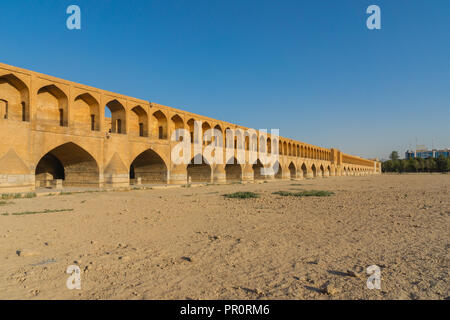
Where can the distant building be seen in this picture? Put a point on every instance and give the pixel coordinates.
(425, 154)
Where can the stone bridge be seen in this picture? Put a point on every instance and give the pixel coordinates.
(56, 132)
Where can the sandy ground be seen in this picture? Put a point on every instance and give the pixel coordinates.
(192, 243)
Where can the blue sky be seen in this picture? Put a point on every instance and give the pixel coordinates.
(310, 68)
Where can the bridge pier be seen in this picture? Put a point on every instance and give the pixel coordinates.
(178, 175)
(219, 174)
(309, 175)
(247, 173)
(286, 175)
(299, 175)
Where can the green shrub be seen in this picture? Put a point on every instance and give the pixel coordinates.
(7, 196)
(306, 193)
(44, 211)
(241, 195)
(30, 195)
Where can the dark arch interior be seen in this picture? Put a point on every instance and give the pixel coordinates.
(233, 171)
(292, 171)
(199, 172)
(70, 163)
(278, 171)
(305, 170)
(149, 167)
(257, 167)
(314, 170)
(49, 168)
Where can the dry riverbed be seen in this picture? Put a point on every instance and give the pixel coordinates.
(193, 243)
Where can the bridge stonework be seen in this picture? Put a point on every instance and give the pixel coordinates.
(54, 131)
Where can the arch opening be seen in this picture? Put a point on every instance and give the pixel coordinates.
(86, 113)
(14, 99)
(278, 171)
(52, 106)
(218, 141)
(138, 122)
(257, 167)
(70, 163)
(255, 142)
(304, 170)
(233, 171)
(115, 117)
(177, 123)
(314, 170)
(292, 171)
(159, 125)
(262, 144)
(148, 168)
(206, 134)
(199, 172)
(191, 127)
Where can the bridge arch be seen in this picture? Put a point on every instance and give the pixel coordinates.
(199, 172)
(159, 125)
(314, 170)
(191, 127)
(239, 139)
(85, 112)
(292, 170)
(229, 143)
(257, 167)
(218, 141)
(206, 133)
(277, 170)
(255, 142)
(70, 163)
(177, 123)
(149, 167)
(304, 170)
(246, 142)
(262, 144)
(52, 106)
(15, 98)
(118, 117)
(233, 171)
(138, 124)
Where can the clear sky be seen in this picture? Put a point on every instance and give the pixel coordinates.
(310, 68)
